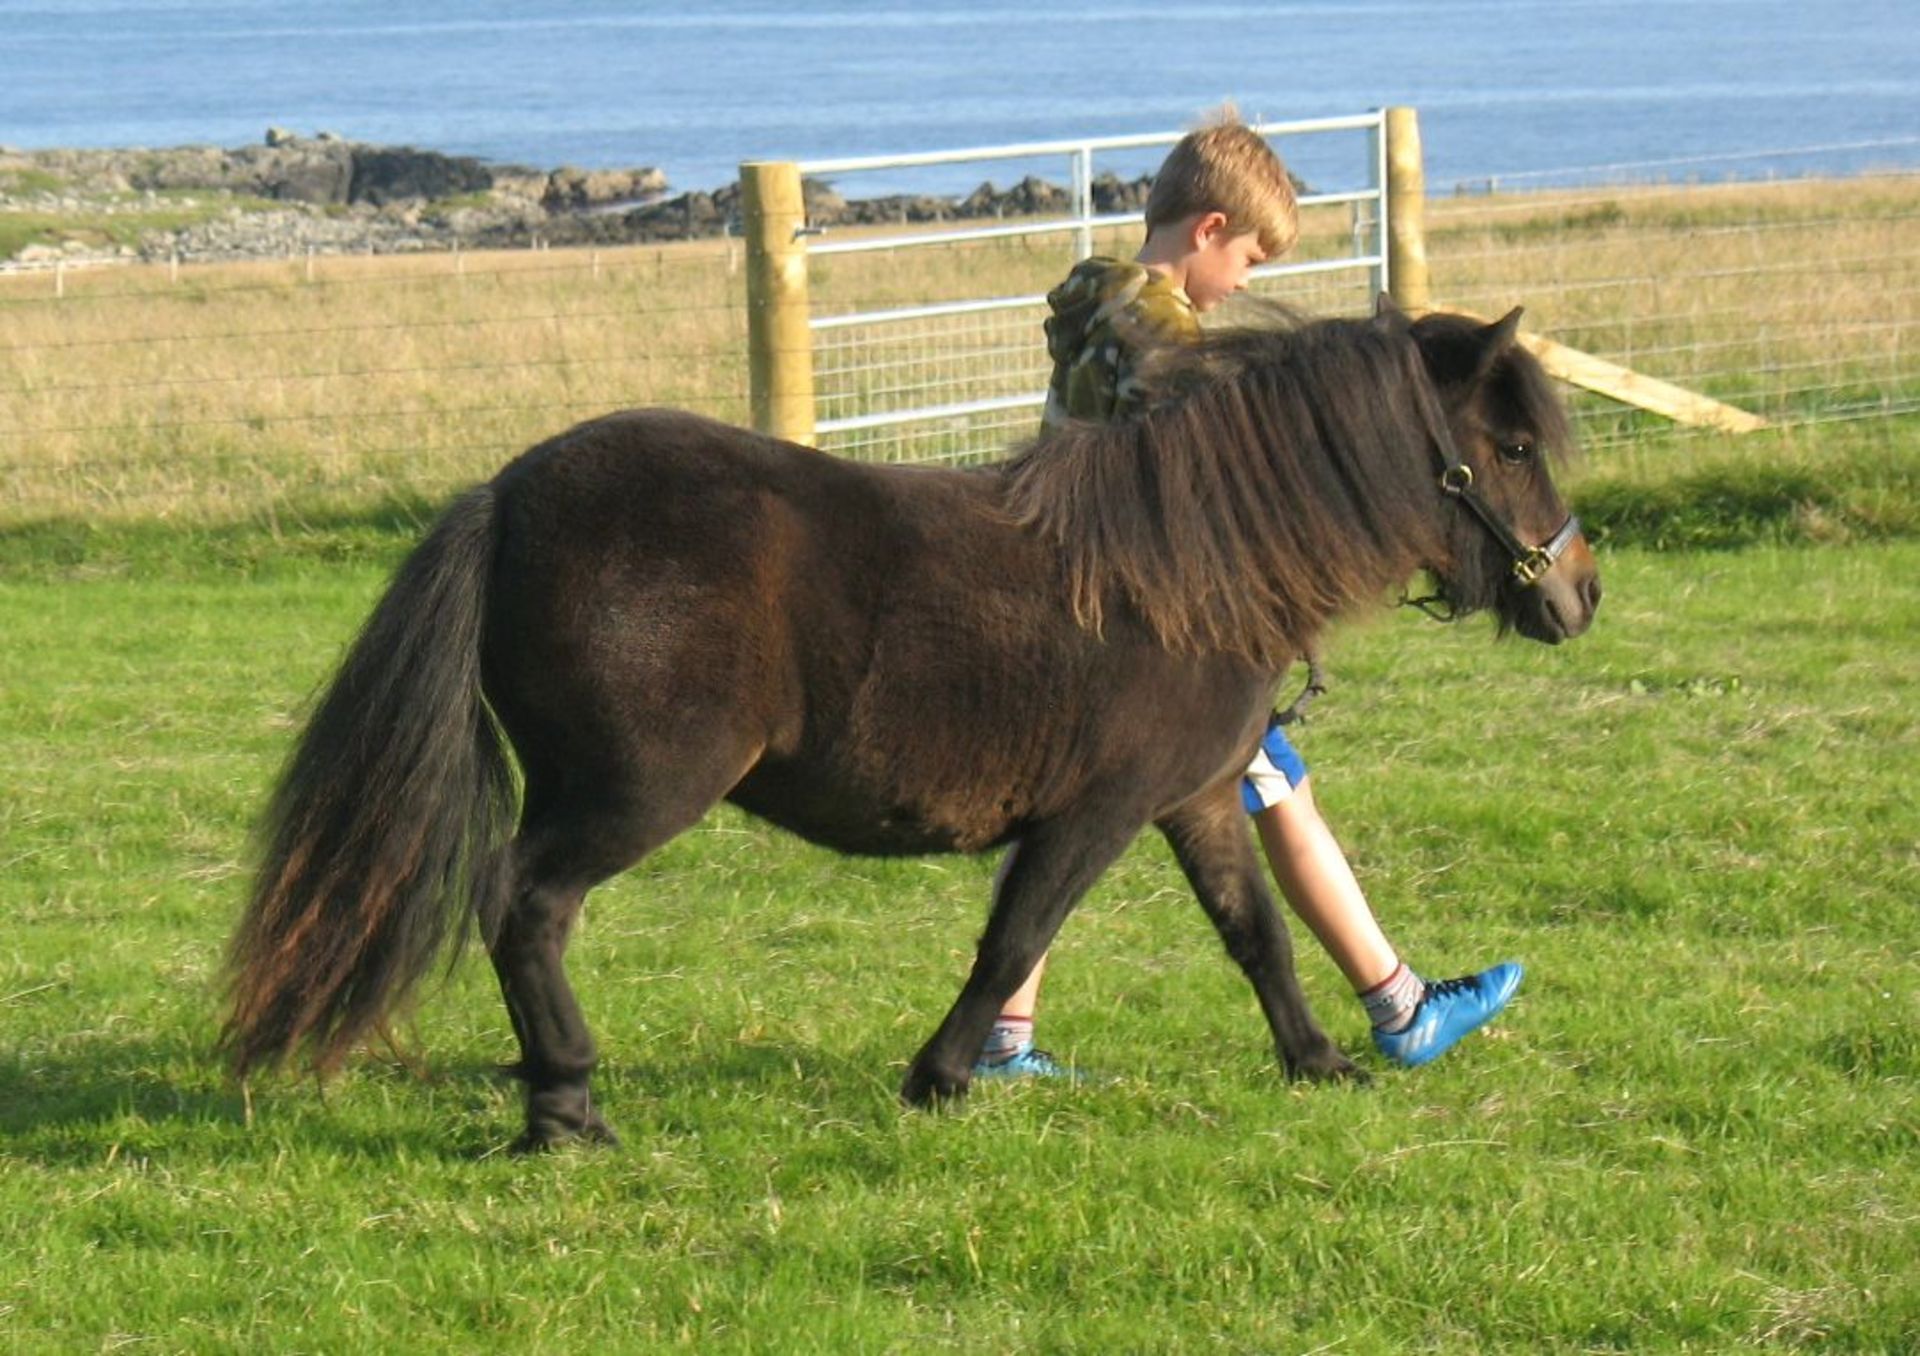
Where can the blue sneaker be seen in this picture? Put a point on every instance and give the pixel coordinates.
(1027, 1062)
(1451, 1009)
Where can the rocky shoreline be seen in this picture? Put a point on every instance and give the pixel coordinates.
(291, 195)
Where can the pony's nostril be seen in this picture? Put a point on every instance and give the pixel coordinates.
(1590, 593)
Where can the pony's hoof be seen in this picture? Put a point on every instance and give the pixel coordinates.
(544, 1137)
(1328, 1066)
(926, 1089)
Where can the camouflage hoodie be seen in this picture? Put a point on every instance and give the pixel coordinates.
(1104, 314)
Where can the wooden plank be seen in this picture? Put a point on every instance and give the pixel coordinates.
(1636, 388)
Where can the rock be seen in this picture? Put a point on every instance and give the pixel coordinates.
(1113, 195)
(181, 167)
(302, 171)
(575, 190)
(520, 185)
(1034, 195)
(982, 202)
(898, 209)
(823, 204)
(339, 196)
(384, 174)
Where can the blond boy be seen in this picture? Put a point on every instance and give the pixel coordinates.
(1221, 205)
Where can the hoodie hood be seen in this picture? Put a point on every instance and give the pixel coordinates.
(1104, 314)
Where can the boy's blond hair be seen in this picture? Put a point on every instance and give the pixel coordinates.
(1227, 167)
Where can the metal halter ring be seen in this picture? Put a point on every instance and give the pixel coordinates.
(1457, 478)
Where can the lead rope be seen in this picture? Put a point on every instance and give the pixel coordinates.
(1436, 606)
(1316, 686)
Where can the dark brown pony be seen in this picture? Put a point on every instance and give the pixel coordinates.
(658, 612)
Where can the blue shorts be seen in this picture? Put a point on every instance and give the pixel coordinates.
(1275, 770)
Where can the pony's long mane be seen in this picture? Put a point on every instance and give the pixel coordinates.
(1279, 478)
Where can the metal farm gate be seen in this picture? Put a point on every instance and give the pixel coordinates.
(846, 354)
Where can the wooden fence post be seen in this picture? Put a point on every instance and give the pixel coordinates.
(1406, 212)
(779, 343)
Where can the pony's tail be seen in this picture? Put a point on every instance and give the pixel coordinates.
(385, 832)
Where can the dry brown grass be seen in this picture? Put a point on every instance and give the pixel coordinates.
(241, 384)
(227, 389)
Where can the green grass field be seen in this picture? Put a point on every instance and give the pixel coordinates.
(1697, 1128)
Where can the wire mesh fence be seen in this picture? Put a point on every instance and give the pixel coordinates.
(953, 367)
(1792, 299)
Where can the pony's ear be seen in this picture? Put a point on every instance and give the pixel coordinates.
(1387, 314)
(1496, 339)
(1499, 335)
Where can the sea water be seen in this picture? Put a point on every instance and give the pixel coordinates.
(1507, 89)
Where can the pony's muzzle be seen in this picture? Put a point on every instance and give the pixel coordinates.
(1568, 594)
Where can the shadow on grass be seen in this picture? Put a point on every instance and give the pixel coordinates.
(157, 1097)
(107, 1084)
(1882, 1054)
(154, 1097)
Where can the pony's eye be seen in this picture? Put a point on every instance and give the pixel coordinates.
(1516, 452)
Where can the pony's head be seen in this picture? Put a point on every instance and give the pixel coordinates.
(1510, 545)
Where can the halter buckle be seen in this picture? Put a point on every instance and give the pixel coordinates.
(1457, 479)
(1530, 568)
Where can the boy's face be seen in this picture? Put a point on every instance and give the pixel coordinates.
(1220, 262)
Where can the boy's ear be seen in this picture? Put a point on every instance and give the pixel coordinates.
(1206, 226)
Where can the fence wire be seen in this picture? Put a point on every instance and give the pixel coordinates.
(222, 388)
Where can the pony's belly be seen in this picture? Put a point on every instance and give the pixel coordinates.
(840, 817)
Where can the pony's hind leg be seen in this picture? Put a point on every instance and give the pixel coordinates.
(565, 847)
(1209, 837)
(557, 1051)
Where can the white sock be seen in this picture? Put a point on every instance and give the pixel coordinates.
(1391, 1003)
(1010, 1035)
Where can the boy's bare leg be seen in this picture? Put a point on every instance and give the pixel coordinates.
(1027, 997)
(1009, 1048)
(1319, 885)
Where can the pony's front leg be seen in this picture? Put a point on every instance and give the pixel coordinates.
(1210, 839)
(1040, 880)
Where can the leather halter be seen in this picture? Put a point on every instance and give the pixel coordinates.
(1530, 563)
